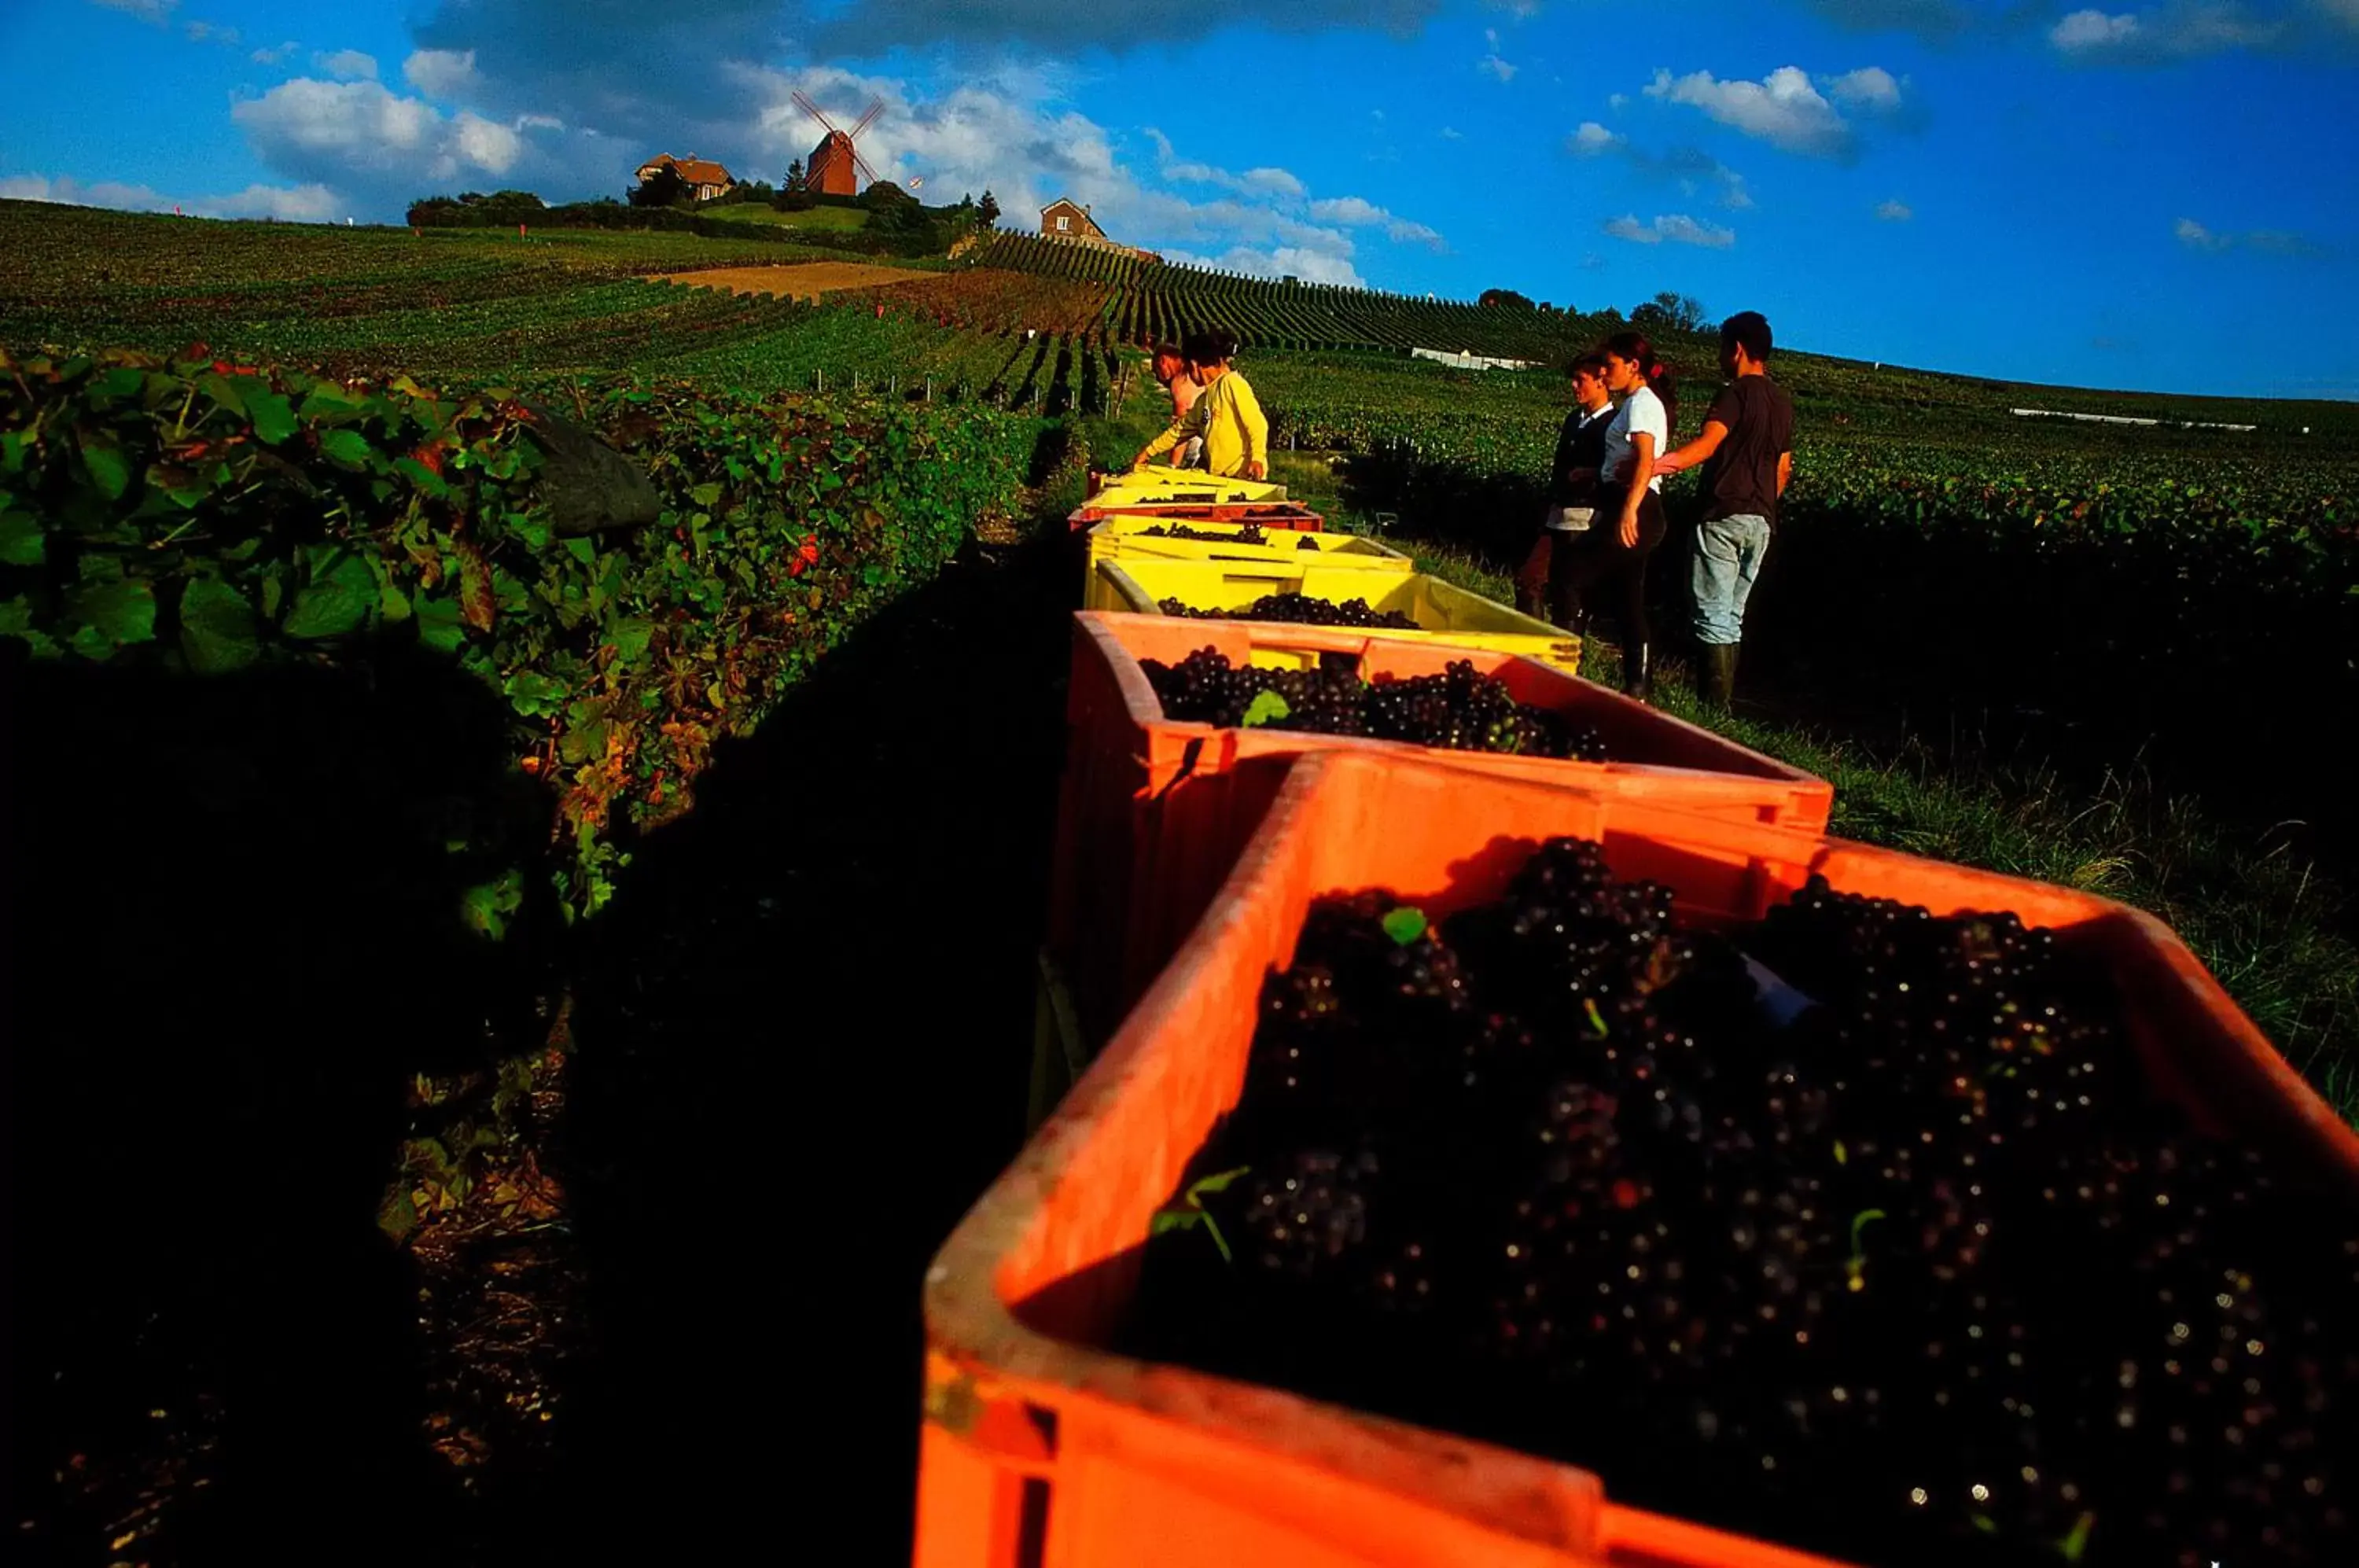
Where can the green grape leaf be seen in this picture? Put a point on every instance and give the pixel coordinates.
(1267, 707)
(22, 542)
(110, 469)
(273, 415)
(16, 621)
(417, 473)
(219, 632)
(336, 600)
(535, 695)
(1405, 925)
(439, 625)
(121, 610)
(349, 448)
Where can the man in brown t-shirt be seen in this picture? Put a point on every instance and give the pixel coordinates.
(1747, 452)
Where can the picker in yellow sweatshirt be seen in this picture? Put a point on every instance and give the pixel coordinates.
(1226, 415)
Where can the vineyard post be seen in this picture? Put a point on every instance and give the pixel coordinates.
(821, 377)
(929, 388)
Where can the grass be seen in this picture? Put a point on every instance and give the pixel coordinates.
(2265, 923)
(836, 218)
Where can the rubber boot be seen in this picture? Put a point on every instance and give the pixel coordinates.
(1719, 675)
(1638, 671)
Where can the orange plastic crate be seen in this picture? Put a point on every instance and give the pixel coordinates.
(1040, 1448)
(1153, 812)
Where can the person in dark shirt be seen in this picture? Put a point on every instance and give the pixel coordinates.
(1747, 452)
(1541, 586)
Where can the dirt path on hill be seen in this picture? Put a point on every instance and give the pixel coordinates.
(800, 280)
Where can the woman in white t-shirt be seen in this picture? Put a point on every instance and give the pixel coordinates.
(1629, 521)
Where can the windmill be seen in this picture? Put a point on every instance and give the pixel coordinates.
(835, 166)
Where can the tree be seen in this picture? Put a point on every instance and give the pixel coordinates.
(795, 195)
(664, 188)
(988, 211)
(1669, 312)
(1507, 297)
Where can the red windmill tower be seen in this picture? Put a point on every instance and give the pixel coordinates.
(835, 166)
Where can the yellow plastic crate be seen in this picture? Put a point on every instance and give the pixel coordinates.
(1126, 538)
(1157, 486)
(1444, 612)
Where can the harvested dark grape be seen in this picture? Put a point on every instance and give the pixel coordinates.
(1460, 709)
(1300, 609)
(1247, 533)
(1854, 1227)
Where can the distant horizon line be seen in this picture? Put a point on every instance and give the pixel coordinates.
(2337, 393)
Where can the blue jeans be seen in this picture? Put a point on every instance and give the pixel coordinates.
(1728, 552)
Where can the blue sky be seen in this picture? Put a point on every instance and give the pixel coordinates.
(2160, 195)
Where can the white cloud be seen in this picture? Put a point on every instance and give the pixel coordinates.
(344, 133)
(1263, 181)
(1311, 267)
(1274, 182)
(1618, 101)
(2271, 242)
(1590, 139)
(1676, 227)
(442, 74)
(2180, 30)
(347, 65)
(2195, 236)
(1680, 229)
(1000, 129)
(273, 55)
(1348, 209)
(1871, 87)
(1690, 169)
(2093, 30)
(1358, 212)
(298, 204)
(1452, 133)
(1492, 65)
(2345, 12)
(2279, 241)
(156, 11)
(1785, 108)
(210, 33)
(1895, 211)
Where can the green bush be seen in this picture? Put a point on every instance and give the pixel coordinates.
(204, 518)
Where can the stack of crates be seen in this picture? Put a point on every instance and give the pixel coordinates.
(1186, 857)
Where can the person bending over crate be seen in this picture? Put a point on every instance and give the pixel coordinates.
(1226, 417)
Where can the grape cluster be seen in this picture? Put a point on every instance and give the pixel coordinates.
(1300, 609)
(1247, 533)
(1853, 1227)
(1460, 709)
